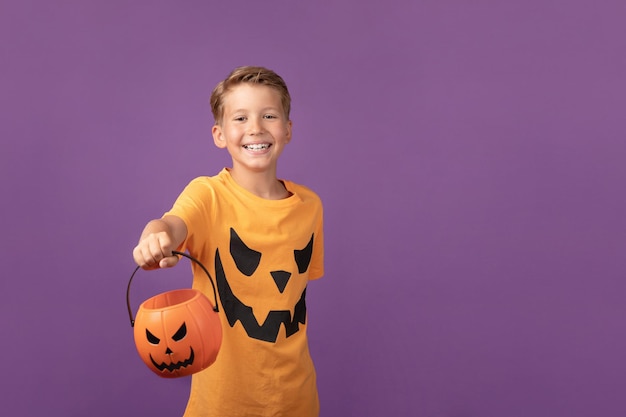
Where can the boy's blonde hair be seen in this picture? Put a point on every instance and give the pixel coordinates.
(253, 75)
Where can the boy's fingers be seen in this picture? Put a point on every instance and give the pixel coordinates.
(155, 252)
(139, 254)
(168, 262)
(148, 259)
(156, 249)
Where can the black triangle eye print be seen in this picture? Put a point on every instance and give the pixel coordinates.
(181, 333)
(246, 259)
(303, 257)
(152, 339)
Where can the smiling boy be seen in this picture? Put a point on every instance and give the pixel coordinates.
(262, 240)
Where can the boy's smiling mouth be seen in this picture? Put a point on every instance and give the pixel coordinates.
(257, 146)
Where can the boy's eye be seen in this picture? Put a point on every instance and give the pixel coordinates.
(240, 118)
(269, 116)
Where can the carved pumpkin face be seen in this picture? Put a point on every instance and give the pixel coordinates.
(177, 333)
(252, 292)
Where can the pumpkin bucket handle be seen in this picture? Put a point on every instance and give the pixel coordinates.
(174, 252)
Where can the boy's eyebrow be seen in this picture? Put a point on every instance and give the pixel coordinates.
(238, 110)
(263, 109)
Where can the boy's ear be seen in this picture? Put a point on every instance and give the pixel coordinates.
(218, 136)
(289, 131)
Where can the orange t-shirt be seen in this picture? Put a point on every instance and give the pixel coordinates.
(261, 253)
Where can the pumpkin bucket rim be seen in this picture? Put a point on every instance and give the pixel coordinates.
(188, 295)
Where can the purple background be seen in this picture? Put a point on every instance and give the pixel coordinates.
(471, 157)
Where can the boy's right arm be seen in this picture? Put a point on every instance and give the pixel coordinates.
(158, 239)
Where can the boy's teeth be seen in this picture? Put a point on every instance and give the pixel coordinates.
(256, 146)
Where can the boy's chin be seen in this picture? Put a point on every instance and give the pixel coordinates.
(254, 168)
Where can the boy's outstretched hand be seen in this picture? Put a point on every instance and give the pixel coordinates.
(159, 238)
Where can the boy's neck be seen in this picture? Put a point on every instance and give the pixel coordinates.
(262, 184)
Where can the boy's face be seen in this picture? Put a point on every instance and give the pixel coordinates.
(254, 128)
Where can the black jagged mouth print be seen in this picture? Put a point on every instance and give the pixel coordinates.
(236, 310)
(171, 367)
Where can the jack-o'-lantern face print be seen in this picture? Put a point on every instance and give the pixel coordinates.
(161, 354)
(253, 290)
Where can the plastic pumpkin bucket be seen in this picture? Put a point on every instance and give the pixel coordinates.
(177, 333)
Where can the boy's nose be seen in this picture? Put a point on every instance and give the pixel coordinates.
(255, 127)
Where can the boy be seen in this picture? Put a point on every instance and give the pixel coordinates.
(262, 240)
